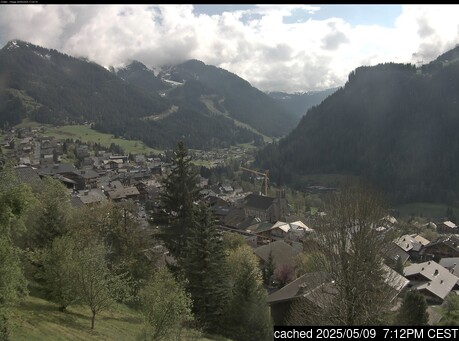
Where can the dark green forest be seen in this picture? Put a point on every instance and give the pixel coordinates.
(50, 87)
(394, 125)
(242, 101)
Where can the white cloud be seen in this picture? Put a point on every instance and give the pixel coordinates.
(256, 44)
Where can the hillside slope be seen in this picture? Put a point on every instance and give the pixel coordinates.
(391, 124)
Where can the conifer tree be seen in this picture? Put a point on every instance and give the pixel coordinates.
(248, 316)
(413, 311)
(177, 199)
(205, 267)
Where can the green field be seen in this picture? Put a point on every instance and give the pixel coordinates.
(37, 319)
(86, 134)
(425, 210)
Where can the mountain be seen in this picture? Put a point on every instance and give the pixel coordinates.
(300, 103)
(51, 87)
(60, 89)
(139, 75)
(224, 93)
(391, 124)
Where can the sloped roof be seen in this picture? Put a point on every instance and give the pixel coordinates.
(449, 224)
(438, 280)
(120, 193)
(258, 201)
(57, 169)
(294, 226)
(451, 264)
(283, 253)
(297, 288)
(28, 175)
(450, 241)
(420, 239)
(92, 196)
(260, 227)
(408, 243)
(393, 251)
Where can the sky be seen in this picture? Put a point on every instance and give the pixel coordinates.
(291, 48)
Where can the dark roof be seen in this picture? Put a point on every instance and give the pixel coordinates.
(450, 241)
(88, 174)
(297, 288)
(28, 175)
(258, 201)
(394, 252)
(283, 253)
(76, 202)
(234, 217)
(57, 169)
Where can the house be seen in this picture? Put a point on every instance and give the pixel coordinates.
(393, 254)
(293, 231)
(305, 287)
(446, 227)
(443, 247)
(88, 197)
(267, 208)
(451, 264)
(412, 244)
(29, 176)
(283, 254)
(431, 279)
(262, 229)
(315, 290)
(120, 192)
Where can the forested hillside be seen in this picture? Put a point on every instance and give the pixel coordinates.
(47, 86)
(392, 124)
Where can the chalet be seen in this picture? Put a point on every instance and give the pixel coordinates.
(412, 244)
(29, 176)
(303, 288)
(443, 247)
(393, 254)
(262, 229)
(293, 231)
(283, 254)
(123, 158)
(267, 208)
(117, 192)
(431, 279)
(112, 164)
(315, 290)
(88, 197)
(446, 227)
(451, 264)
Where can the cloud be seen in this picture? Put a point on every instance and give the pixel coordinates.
(333, 40)
(274, 47)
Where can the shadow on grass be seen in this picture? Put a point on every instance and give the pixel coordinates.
(128, 319)
(38, 313)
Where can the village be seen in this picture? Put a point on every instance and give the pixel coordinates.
(277, 232)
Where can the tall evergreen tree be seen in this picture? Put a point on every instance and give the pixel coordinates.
(177, 199)
(248, 316)
(205, 267)
(50, 218)
(268, 270)
(413, 311)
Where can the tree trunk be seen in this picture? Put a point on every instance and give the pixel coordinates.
(93, 319)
